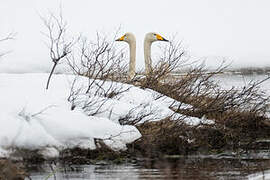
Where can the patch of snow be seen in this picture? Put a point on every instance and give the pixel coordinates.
(49, 152)
(34, 118)
(260, 176)
(4, 153)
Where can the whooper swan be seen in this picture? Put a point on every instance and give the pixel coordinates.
(131, 40)
(148, 40)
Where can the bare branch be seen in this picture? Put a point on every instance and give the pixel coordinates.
(59, 47)
(103, 65)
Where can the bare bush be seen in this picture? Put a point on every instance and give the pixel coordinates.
(163, 137)
(198, 88)
(58, 44)
(97, 100)
(98, 59)
(240, 115)
(140, 114)
(172, 59)
(100, 62)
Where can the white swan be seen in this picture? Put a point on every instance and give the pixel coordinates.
(148, 40)
(131, 40)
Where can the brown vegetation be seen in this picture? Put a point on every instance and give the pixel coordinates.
(11, 171)
(240, 115)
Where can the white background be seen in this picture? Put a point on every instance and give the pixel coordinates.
(238, 30)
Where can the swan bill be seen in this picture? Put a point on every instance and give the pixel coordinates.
(160, 38)
(121, 38)
(165, 40)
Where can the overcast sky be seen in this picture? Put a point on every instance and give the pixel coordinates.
(235, 29)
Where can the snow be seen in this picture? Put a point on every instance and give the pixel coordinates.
(34, 118)
(260, 176)
(38, 119)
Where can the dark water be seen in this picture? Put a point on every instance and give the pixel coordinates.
(222, 167)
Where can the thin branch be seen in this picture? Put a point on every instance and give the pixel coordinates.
(58, 46)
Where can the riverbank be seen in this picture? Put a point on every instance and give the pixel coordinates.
(220, 166)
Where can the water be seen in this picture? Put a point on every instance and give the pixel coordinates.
(227, 81)
(171, 168)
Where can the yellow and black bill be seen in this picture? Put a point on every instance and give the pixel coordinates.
(121, 38)
(160, 38)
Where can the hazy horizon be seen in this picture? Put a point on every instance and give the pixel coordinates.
(237, 31)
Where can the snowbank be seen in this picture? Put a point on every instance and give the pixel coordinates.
(259, 176)
(34, 118)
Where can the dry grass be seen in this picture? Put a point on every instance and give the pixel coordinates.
(162, 137)
(240, 115)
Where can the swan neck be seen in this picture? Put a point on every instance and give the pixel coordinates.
(132, 62)
(147, 55)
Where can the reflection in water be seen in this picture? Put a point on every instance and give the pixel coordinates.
(178, 168)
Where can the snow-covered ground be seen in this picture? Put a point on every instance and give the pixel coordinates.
(34, 118)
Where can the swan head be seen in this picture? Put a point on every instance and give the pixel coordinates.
(152, 37)
(128, 37)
